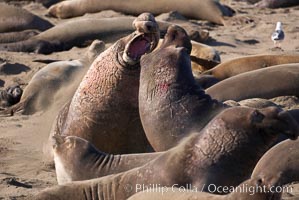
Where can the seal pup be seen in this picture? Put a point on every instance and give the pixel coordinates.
(51, 79)
(171, 103)
(208, 10)
(237, 135)
(250, 63)
(281, 160)
(104, 109)
(77, 159)
(278, 35)
(248, 190)
(279, 80)
(20, 19)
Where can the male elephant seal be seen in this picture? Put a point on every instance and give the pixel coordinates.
(279, 80)
(104, 109)
(17, 19)
(237, 135)
(254, 188)
(281, 160)
(171, 103)
(249, 63)
(205, 9)
(54, 77)
(77, 159)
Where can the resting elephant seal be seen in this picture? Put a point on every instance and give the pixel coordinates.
(104, 109)
(281, 160)
(248, 190)
(276, 3)
(17, 36)
(205, 9)
(51, 79)
(20, 19)
(77, 159)
(10, 96)
(224, 154)
(280, 80)
(249, 63)
(67, 35)
(171, 103)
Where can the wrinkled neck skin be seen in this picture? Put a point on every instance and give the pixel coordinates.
(169, 94)
(220, 152)
(101, 91)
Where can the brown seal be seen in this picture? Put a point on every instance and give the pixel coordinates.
(104, 109)
(248, 190)
(20, 19)
(205, 9)
(77, 159)
(281, 160)
(237, 135)
(249, 63)
(54, 77)
(280, 80)
(171, 103)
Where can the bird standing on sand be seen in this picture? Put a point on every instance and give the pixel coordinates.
(278, 35)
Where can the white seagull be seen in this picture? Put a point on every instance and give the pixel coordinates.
(278, 35)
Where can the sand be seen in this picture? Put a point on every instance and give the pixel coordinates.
(22, 171)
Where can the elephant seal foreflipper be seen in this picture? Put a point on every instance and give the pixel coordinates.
(53, 77)
(20, 19)
(237, 193)
(77, 159)
(276, 3)
(237, 135)
(249, 63)
(205, 9)
(104, 109)
(279, 80)
(171, 103)
(281, 160)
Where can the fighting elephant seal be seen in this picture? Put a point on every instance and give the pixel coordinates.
(279, 80)
(17, 19)
(104, 109)
(249, 63)
(253, 191)
(67, 35)
(281, 160)
(77, 159)
(205, 9)
(171, 103)
(51, 79)
(237, 135)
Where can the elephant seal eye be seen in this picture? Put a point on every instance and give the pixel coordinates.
(257, 117)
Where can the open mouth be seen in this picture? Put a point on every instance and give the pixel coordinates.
(138, 46)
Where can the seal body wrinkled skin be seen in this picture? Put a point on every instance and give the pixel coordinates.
(237, 194)
(280, 80)
(171, 103)
(224, 154)
(104, 109)
(20, 19)
(52, 78)
(77, 159)
(250, 63)
(281, 160)
(204, 9)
